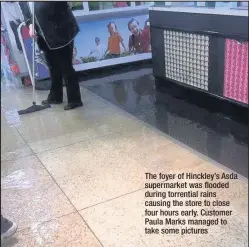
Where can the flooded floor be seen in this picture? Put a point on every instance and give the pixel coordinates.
(216, 129)
(77, 178)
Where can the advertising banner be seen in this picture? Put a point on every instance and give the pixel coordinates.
(99, 40)
(12, 15)
(41, 67)
(112, 38)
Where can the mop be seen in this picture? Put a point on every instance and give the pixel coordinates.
(34, 107)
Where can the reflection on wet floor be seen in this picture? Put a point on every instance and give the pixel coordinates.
(212, 127)
(60, 170)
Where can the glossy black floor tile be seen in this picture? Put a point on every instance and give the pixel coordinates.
(212, 127)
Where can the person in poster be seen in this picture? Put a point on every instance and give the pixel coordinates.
(13, 14)
(114, 41)
(99, 51)
(139, 41)
(76, 60)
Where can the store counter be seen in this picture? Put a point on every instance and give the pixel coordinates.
(204, 49)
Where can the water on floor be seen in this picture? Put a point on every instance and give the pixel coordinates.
(212, 127)
(72, 178)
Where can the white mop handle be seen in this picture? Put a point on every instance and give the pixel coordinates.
(23, 48)
(33, 51)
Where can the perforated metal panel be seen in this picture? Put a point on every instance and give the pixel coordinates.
(187, 58)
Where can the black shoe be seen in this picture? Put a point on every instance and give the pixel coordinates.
(8, 228)
(51, 102)
(71, 106)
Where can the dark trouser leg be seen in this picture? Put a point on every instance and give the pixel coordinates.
(56, 90)
(14, 27)
(69, 74)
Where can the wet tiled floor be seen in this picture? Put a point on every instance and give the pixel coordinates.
(193, 119)
(77, 178)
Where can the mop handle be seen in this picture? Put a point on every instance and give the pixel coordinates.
(33, 55)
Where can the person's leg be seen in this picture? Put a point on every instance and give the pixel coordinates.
(14, 27)
(70, 77)
(8, 228)
(56, 91)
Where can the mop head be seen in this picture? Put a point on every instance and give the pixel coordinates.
(33, 108)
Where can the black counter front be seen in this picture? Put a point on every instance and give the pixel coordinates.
(205, 49)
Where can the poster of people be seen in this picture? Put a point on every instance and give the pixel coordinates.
(97, 41)
(108, 39)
